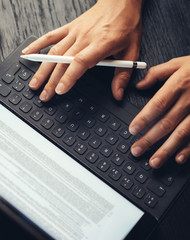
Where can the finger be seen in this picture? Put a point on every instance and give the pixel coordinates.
(60, 69)
(45, 68)
(184, 154)
(84, 60)
(160, 73)
(177, 139)
(49, 38)
(122, 76)
(49, 89)
(120, 82)
(158, 105)
(163, 127)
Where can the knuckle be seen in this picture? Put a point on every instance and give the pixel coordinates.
(166, 125)
(144, 121)
(152, 71)
(62, 67)
(82, 60)
(49, 36)
(160, 104)
(51, 85)
(67, 78)
(54, 51)
(124, 76)
(185, 80)
(173, 60)
(145, 142)
(165, 153)
(183, 133)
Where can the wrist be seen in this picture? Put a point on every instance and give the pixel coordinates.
(135, 4)
(130, 9)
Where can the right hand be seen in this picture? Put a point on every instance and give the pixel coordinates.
(109, 28)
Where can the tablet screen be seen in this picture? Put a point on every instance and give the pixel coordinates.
(54, 191)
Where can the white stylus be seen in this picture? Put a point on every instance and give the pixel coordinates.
(69, 59)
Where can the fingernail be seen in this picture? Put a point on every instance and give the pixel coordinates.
(181, 158)
(33, 82)
(136, 151)
(60, 89)
(155, 162)
(134, 129)
(25, 50)
(43, 95)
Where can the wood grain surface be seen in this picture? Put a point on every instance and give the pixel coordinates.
(166, 34)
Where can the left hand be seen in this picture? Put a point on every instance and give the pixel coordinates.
(172, 105)
(109, 28)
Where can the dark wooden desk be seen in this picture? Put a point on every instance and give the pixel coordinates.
(166, 34)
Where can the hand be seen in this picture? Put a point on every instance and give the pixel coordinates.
(171, 104)
(108, 28)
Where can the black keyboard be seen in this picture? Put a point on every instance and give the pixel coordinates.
(94, 136)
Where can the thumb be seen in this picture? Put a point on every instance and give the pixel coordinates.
(122, 75)
(120, 81)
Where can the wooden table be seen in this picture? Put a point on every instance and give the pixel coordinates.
(166, 34)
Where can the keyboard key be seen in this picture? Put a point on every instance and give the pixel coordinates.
(15, 99)
(61, 117)
(8, 78)
(115, 174)
(50, 109)
(25, 107)
(111, 138)
(114, 124)
(80, 148)
(80, 100)
(138, 192)
(69, 139)
(123, 147)
(72, 125)
(89, 122)
(28, 93)
(100, 130)
(47, 123)
(118, 159)
(103, 116)
(150, 201)
(126, 183)
(78, 114)
(92, 157)
(36, 115)
(129, 168)
(106, 151)
(4, 90)
(103, 165)
(83, 134)
(145, 165)
(15, 68)
(18, 86)
(24, 74)
(58, 131)
(125, 133)
(167, 179)
(156, 188)
(66, 105)
(141, 177)
(38, 102)
(94, 142)
(91, 108)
